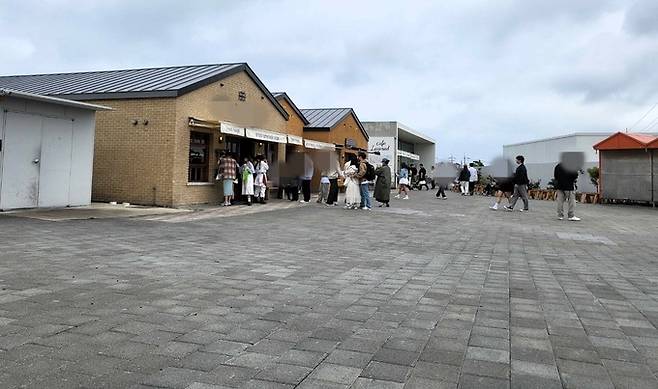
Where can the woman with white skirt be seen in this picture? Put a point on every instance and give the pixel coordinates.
(352, 185)
(260, 181)
(247, 171)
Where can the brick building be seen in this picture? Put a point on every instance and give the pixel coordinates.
(337, 130)
(159, 144)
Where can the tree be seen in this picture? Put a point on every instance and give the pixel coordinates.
(594, 175)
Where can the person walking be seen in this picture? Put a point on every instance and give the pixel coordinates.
(503, 190)
(247, 171)
(403, 182)
(464, 177)
(565, 185)
(383, 184)
(306, 179)
(227, 168)
(365, 175)
(260, 180)
(422, 178)
(432, 177)
(334, 174)
(521, 182)
(352, 184)
(472, 179)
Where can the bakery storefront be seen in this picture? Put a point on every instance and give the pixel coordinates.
(243, 142)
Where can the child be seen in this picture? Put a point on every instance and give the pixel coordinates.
(324, 187)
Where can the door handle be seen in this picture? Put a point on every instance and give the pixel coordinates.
(36, 161)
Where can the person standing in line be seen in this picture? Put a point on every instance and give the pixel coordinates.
(260, 181)
(366, 171)
(464, 177)
(306, 179)
(383, 184)
(323, 194)
(352, 187)
(472, 179)
(228, 168)
(565, 185)
(403, 182)
(247, 171)
(334, 174)
(521, 182)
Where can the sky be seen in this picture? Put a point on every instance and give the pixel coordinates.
(472, 74)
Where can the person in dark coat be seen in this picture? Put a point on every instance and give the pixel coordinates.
(464, 177)
(521, 182)
(383, 184)
(565, 180)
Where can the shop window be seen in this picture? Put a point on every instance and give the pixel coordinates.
(199, 157)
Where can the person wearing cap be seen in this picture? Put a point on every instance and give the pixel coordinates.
(383, 184)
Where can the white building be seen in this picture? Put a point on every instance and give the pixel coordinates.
(46, 151)
(399, 143)
(542, 155)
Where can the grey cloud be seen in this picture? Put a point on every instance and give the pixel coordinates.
(642, 18)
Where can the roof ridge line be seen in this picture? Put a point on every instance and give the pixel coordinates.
(124, 70)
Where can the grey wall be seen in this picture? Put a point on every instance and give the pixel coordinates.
(626, 174)
(544, 172)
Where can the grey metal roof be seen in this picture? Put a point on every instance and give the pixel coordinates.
(328, 118)
(52, 100)
(284, 95)
(131, 83)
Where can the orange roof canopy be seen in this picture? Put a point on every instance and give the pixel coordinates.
(626, 141)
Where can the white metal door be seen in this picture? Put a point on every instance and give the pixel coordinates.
(20, 169)
(55, 174)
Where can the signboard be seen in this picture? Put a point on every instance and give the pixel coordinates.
(267, 136)
(228, 128)
(385, 146)
(295, 140)
(312, 144)
(409, 155)
(349, 142)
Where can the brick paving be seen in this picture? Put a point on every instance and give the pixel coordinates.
(426, 294)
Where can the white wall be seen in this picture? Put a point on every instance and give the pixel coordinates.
(82, 145)
(542, 156)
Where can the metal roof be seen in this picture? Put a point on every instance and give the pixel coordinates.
(52, 100)
(328, 118)
(131, 83)
(284, 95)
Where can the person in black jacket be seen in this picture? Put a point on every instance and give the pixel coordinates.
(464, 176)
(521, 182)
(565, 179)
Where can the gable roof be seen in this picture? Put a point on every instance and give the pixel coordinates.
(284, 96)
(325, 119)
(171, 81)
(626, 141)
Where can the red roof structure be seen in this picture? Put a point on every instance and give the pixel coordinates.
(628, 141)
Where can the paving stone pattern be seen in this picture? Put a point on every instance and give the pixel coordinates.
(426, 294)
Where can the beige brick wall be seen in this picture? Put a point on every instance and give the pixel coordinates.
(295, 125)
(218, 101)
(133, 163)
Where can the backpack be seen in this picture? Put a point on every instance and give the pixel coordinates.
(370, 172)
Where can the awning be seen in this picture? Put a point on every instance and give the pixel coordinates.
(195, 122)
(406, 154)
(295, 140)
(266, 136)
(232, 129)
(312, 144)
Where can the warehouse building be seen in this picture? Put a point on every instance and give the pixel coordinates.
(542, 155)
(46, 151)
(400, 143)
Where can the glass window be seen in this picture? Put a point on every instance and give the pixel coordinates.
(199, 157)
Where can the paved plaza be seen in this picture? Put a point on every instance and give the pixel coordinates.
(425, 294)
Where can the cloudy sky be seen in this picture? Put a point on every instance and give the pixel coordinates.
(473, 74)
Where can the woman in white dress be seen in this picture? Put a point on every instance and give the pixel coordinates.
(247, 171)
(352, 185)
(260, 181)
